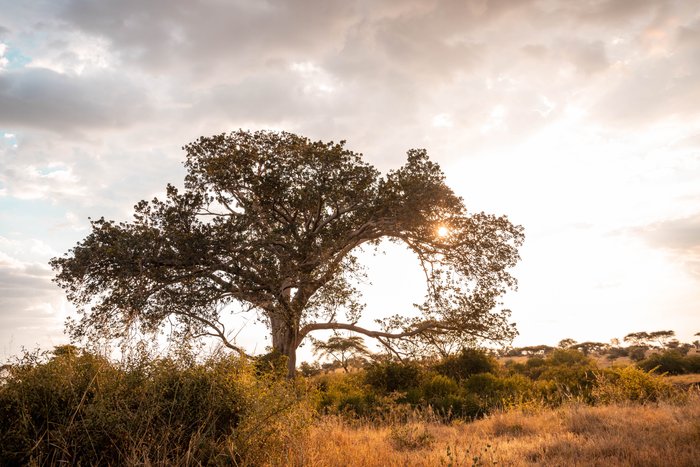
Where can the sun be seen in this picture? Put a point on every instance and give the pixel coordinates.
(443, 231)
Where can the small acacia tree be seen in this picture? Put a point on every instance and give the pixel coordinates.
(341, 349)
(272, 222)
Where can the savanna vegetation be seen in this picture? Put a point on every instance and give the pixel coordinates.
(474, 407)
(272, 224)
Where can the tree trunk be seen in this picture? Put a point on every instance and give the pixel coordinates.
(284, 341)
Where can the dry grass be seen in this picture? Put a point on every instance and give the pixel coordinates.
(603, 362)
(651, 435)
(685, 380)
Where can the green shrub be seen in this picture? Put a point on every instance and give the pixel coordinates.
(500, 391)
(346, 394)
(573, 381)
(616, 385)
(391, 376)
(75, 407)
(637, 352)
(533, 367)
(568, 357)
(669, 361)
(617, 352)
(568, 373)
(693, 363)
(443, 395)
(439, 386)
(468, 362)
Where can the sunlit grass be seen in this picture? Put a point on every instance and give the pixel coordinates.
(74, 407)
(656, 435)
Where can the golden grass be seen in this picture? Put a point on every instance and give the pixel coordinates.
(685, 380)
(651, 435)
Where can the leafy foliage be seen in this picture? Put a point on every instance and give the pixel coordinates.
(672, 362)
(390, 376)
(341, 349)
(79, 408)
(270, 223)
(468, 362)
(630, 384)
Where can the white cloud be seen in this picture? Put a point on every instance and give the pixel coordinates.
(74, 54)
(49, 182)
(30, 305)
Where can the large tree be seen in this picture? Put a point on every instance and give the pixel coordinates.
(271, 223)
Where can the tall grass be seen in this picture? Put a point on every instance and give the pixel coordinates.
(654, 434)
(74, 407)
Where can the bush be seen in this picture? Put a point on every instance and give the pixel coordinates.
(76, 408)
(391, 376)
(563, 374)
(672, 362)
(693, 363)
(439, 386)
(468, 362)
(500, 392)
(346, 394)
(444, 396)
(669, 361)
(616, 385)
(617, 352)
(637, 352)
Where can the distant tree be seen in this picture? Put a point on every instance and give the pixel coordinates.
(566, 343)
(661, 337)
(591, 347)
(614, 342)
(637, 338)
(617, 352)
(341, 349)
(637, 352)
(683, 348)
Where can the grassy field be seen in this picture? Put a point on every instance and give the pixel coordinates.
(635, 435)
(73, 407)
(685, 380)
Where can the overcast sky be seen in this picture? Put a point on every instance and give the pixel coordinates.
(580, 120)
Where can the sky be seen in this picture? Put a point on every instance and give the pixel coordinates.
(578, 120)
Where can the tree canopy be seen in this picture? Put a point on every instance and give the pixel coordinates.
(271, 223)
(341, 349)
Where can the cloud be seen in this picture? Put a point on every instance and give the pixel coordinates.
(679, 236)
(580, 112)
(208, 36)
(44, 99)
(29, 302)
(614, 12)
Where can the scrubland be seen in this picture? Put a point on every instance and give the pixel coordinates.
(77, 407)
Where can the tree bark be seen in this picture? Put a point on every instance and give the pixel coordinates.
(284, 341)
